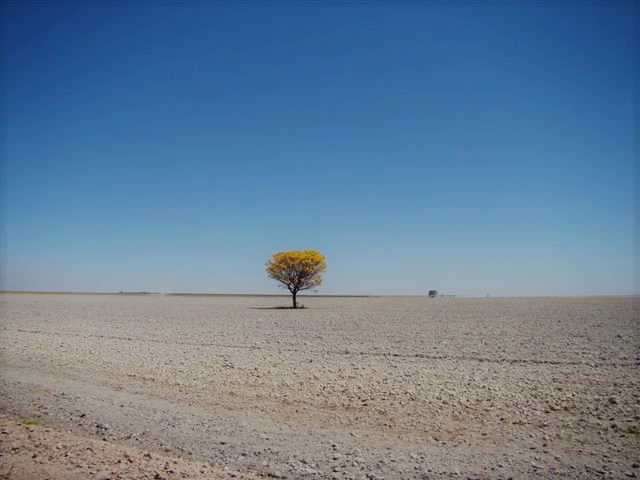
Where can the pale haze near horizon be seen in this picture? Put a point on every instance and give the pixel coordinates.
(473, 149)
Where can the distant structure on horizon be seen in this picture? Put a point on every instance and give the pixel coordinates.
(433, 293)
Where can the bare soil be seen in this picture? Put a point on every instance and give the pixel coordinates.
(131, 387)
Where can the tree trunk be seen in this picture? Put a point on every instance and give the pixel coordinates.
(295, 305)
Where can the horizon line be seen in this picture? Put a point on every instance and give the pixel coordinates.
(283, 295)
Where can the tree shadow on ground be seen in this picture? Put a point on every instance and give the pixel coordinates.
(300, 307)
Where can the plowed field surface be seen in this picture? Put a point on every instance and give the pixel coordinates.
(347, 388)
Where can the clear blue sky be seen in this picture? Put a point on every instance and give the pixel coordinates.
(473, 148)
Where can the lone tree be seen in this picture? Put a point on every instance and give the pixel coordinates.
(297, 270)
(433, 293)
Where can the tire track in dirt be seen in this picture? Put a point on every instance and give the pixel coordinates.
(425, 356)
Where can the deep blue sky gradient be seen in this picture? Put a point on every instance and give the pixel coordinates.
(473, 148)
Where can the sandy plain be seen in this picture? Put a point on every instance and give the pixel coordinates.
(349, 388)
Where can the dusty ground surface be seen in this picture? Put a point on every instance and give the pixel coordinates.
(349, 388)
(31, 451)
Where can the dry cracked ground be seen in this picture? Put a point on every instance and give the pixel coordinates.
(167, 387)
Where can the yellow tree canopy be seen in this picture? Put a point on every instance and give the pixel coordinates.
(297, 270)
